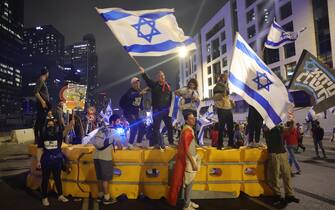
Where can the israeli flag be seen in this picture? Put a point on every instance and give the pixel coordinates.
(147, 32)
(250, 78)
(278, 37)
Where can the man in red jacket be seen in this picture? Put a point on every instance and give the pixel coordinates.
(291, 139)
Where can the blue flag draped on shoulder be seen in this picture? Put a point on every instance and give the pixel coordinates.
(278, 37)
(147, 32)
(250, 78)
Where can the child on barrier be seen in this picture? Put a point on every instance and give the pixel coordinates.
(50, 157)
(187, 165)
(104, 141)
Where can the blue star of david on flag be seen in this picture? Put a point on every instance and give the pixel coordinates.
(146, 22)
(262, 81)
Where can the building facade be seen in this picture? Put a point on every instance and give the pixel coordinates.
(252, 19)
(11, 41)
(44, 46)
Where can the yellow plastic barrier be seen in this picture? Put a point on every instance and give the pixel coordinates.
(147, 171)
(254, 171)
(226, 155)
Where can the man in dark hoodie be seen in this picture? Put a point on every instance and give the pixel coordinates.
(161, 96)
(224, 109)
(134, 99)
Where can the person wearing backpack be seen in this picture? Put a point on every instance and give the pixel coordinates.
(131, 103)
(161, 95)
(318, 133)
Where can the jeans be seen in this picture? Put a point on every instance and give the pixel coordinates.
(158, 116)
(291, 157)
(225, 118)
(136, 127)
(318, 143)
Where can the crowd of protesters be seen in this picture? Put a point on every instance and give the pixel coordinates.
(51, 129)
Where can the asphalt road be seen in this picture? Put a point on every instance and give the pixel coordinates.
(315, 187)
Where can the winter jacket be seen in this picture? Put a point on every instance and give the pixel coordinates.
(221, 96)
(161, 95)
(134, 102)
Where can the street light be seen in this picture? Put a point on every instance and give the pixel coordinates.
(183, 52)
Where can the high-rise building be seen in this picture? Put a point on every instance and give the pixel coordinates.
(44, 46)
(11, 37)
(252, 19)
(81, 59)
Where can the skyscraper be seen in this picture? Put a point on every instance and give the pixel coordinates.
(11, 37)
(81, 59)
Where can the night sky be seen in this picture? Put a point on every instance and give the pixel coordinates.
(74, 18)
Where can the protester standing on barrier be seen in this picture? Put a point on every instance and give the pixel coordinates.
(224, 107)
(190, 99)
(291, 136)
(278, 166)
(318, 133)
(255, 122)
(161, 95)
(187, 165)
(42, 103)
(131, 103)
(50, 157)
(104, 140)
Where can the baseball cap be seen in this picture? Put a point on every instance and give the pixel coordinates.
(133, 80)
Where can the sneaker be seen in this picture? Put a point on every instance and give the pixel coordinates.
(194, 205)
(150, 147)
(99, 199)
(138, 144)
(189, 207)
(291, 198)
(45, 202)
(173, 145)
(109, 201)
(130, 146)
(63, 199)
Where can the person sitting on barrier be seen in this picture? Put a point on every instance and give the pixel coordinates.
(278, 166)
(50, 157)
(187, 165)
(103, 141)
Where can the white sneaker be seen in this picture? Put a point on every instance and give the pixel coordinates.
(45, 202)
(150, 147)
(63, 199)
(189, 208)
(130, 146)
(138, 144)
(194, 205)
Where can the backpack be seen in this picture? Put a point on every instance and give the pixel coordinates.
(123, 103)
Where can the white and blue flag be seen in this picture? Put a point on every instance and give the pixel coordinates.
(250, 78)
(278, 37)
(147, 32)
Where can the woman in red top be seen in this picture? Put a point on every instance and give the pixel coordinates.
(291, 140)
